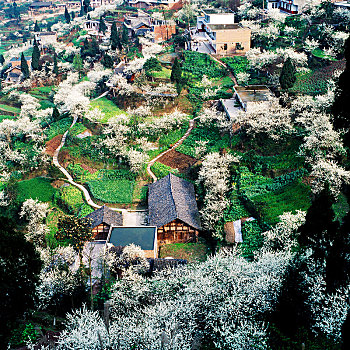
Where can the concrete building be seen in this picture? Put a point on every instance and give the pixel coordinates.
(215, 16)
(224, 36)
(292, 7)
(45, 39)
(99, 3)
(342, 5)
(148, 4)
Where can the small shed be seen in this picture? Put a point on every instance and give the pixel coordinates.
(143, 236)
(173, 210)
(101, 221)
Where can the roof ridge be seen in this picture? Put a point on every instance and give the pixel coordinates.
(172, 195)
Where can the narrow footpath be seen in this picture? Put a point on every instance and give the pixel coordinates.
(85, 192)
(178, 143)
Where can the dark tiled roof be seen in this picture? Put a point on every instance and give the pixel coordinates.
(172, 198)
(14, 75)
(105, 215)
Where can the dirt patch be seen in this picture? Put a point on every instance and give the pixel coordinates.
(57, 183)
(52, 145)
(63, 158)
(89, 169)
(177, 160)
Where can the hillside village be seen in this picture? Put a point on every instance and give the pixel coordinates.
(174, 174)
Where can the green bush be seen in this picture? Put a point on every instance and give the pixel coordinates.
(252, 238)
(23, 334)
(70, 198)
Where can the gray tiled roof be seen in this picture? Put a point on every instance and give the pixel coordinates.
(40, 4)
(172, 198)
(105, 215)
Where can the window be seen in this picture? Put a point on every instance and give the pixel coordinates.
(225, 47)
(239, 46)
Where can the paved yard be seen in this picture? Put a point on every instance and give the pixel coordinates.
(135, 218)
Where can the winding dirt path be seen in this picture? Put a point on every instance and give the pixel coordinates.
(178, 143)
(85, 192)
(69, 177)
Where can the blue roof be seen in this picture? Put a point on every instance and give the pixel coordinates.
(143, 236)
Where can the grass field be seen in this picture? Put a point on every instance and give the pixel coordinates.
(2, 117)
(192, 252)
(38, 188)
(112, 191)
(107, 107)
(11, 109)
(273, 204)
(165, 73)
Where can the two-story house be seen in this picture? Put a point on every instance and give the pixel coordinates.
(222, 33)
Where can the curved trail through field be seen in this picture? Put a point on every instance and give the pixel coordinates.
(69, 177)
(85, 192)
(178, 143)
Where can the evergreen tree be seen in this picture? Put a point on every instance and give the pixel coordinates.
(36, 27)
(24, 67)
(86, 4)
(115, 42)
(78, 63)
(107, 61)
(72, 15)
(82, 12)
(341, 105)
(102, 27)
(56, 115)
(55, 66)
(125, 36)
(287, 77)
(35, 56)
(176, 72)
(2, 59)
(48, 27)
(16, 12)
(88, 17)
(320, 227)
(66, 15)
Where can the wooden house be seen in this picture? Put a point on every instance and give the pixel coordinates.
(173, 210)
(101, 221)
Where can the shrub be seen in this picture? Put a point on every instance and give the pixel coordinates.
(70, 198)
(252, 238)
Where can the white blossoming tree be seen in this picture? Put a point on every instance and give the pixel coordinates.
(35, 213)
(219, 302)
